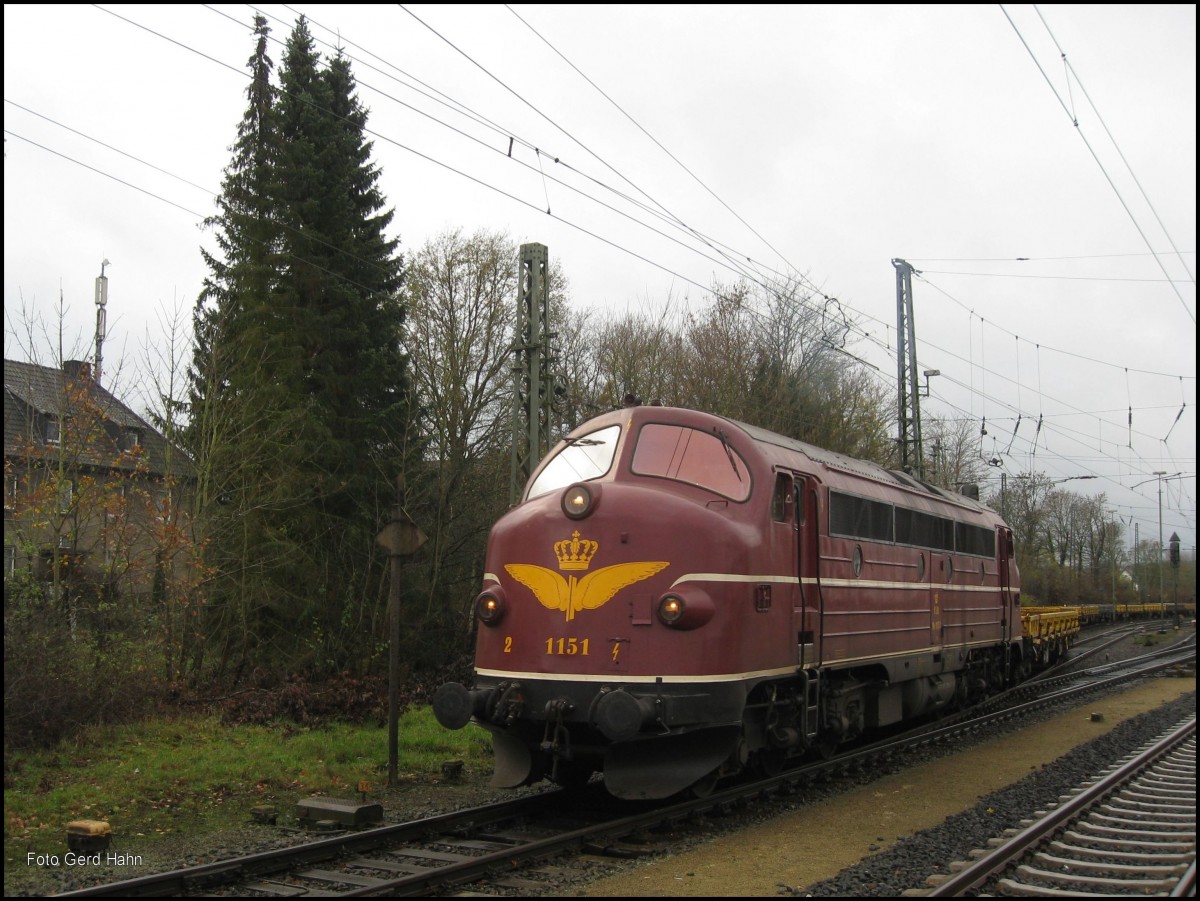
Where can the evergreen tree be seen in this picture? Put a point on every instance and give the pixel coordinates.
(246, 233)
(341, 287)
(301, 331)
(226, 411)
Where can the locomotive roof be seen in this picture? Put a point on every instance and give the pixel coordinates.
(831, 460)
(861, 468)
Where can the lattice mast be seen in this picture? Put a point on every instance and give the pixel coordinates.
(533, 379)
(912, 456)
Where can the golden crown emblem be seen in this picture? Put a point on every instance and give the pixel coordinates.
(575, 552)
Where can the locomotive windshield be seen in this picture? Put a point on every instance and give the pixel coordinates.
(689, 455)
(583, 458)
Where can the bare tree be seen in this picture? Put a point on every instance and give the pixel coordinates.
(953, 459)
(637, 356)
(462, 294)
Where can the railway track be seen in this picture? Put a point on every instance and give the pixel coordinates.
(507, 845)
(1069, 677)
(1107, 640)
(1132, 832)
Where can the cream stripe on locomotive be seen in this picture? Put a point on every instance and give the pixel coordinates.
(829, 583)
(625, 677)
(672, 679)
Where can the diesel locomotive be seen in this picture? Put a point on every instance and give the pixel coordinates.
(679, 596)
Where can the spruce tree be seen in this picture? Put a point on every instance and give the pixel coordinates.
(302, 323)
(341, 288)
(227, 408)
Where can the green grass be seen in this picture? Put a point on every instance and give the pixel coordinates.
(168, 775)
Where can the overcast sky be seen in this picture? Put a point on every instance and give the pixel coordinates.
(1057, 261)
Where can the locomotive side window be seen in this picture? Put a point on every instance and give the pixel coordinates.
(924, 529)
(584, 458)
(783, 500)
(974, 540)
(688, 455)
(858, 517)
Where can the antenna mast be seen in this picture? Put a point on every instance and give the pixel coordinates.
(101, 316)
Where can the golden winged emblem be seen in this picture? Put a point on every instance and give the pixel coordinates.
(570, 594)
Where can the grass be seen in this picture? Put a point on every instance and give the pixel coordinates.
(167, 775)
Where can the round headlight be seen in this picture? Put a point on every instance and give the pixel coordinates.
(490, 607)
(671, 609)
(578, 501)
(687, 608)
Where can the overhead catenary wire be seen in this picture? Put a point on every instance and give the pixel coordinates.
(703, 287)
(564, 131)
(658, 143)
(1117, 147)
(1108, 178)
(596, 156)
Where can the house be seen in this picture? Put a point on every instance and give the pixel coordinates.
(87, 482)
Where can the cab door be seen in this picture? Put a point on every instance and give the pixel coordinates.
(1006, 563)
(785, 560)
(806, 611)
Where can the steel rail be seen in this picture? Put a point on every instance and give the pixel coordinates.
(1003, 857)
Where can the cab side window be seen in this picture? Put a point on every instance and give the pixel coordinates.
(783, 501)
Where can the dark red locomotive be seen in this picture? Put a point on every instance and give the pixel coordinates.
(680, 596)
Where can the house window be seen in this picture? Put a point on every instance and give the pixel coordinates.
(66, 492)
(132, 438)
(53, 431)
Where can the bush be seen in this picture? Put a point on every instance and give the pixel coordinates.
(61, 675)
(345, 697)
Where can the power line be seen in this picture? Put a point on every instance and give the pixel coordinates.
(1108, 178)
(1099, 256)
(1053, 349)
(1075, 278)
(1117, 148)
(590, 232)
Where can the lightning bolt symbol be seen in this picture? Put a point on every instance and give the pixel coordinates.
(616, 650)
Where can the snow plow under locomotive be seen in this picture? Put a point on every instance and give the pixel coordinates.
(680, 596)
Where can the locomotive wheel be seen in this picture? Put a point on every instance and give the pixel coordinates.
(770, 761)
(825, 746)
(703, 787)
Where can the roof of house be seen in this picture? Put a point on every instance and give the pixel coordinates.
(34, 394)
